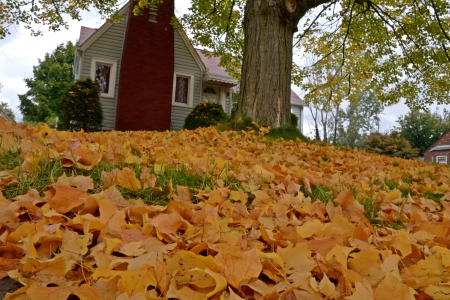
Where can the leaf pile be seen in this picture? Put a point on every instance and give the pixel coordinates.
(257, 232)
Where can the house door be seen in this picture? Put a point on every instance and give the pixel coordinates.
(211, 93)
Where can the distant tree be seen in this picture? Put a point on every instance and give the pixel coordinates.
(6, 112)
(52, 78)
(358, 120)
(423, 128)
(81, 107)
(390, 145)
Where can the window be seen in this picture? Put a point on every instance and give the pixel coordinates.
(183, 89)
(441, 159)
(210, 94)
(153, 15)
(104, 73)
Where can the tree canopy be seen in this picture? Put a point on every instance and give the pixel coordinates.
(397, 48)
(52, 77)
(423, 128)
(358, 120)
(53, 15)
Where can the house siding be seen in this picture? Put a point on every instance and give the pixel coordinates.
(431, 156)
(108, 46)
(185, 63)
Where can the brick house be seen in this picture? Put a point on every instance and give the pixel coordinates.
(149, 74)
(439, 151)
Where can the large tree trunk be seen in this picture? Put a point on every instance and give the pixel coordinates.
(269, 26)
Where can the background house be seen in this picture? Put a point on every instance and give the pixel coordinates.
(149, 74)
(439, 151)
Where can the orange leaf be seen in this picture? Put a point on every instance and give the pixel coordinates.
(127, 179)
(239, 267)
(66, 198)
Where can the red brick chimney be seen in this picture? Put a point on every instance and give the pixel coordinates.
(146, 70)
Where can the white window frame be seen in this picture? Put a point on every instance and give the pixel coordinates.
(441, 162)
(190, 99)
(112, 75)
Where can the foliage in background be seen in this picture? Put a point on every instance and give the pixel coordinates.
(391, 145)
(6, 112)
(294, 120)
(51, 79)
(398, 48)
(358, 120)
(38, 14)
(81, 107)
(423, 128)
(205, 114)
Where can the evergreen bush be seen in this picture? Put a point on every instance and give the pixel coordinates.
(294, 120)
(205, 114)
(81, 107)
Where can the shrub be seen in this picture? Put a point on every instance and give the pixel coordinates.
(205, 114)
(81, 107)
(287, 132)
(390, 145)
(241, 124)
(294, 120)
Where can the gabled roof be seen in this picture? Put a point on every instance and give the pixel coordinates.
(89, 35)
(296, 100)
(212, 64)
(214, 72)
(85, 33)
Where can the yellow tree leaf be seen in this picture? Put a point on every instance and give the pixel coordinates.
(239, 267)
(84, 292)
(127, 179)
(65, 198)
(296, 258)
(363, 290)
(392, 288)
(326, 287)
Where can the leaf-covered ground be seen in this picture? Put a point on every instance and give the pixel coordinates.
(260, 219)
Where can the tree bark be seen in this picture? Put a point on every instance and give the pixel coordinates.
(269, 27)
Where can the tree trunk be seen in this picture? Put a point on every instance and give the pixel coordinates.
(269, 26)
(335, 124)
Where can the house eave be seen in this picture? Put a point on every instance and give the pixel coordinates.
(219, 78)
(191, 48)
(101, 30)
(298, 104)
(440, 148)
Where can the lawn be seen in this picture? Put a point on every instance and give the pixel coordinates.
(219, 215)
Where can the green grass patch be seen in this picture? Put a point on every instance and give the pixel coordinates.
(286, 132)
(432, 196)
(43, 175)
(10, 160)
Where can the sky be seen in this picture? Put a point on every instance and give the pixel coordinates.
(19, 52)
